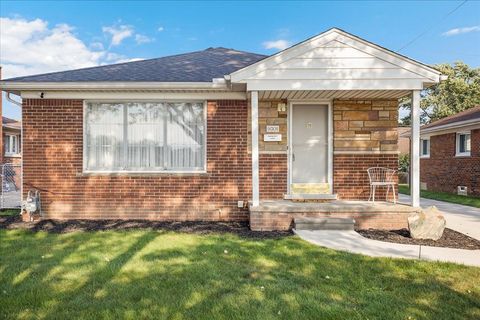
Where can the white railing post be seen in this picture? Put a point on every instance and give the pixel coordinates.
(255, 165)
(415, 150)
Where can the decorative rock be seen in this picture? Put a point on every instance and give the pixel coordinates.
(428, 224)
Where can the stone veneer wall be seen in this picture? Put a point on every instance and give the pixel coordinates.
(268, 114)
(273, 155)
(365, 125)
(365, 135)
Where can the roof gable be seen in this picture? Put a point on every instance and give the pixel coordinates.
(336, 55)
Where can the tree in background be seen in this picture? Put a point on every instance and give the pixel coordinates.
(459, 92)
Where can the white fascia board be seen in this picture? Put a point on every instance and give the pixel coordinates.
(107, 85)
(334, 34)
(130, 95)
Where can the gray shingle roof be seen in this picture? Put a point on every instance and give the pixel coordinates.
(469, 114)
(198, 66)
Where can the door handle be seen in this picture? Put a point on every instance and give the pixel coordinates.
(293, 156)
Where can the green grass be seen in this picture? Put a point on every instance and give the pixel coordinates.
(9, 212)
(166, 275)
(443, 196)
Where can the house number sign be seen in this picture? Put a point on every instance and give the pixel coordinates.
(269, 137)
(273, 129)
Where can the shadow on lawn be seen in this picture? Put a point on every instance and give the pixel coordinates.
(163, 275)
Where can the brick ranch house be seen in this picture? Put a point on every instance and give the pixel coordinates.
(450, 153)
(219, 134)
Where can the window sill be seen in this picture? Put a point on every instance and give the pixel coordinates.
(13, 155)
(425, 157)
(143, 174)
(463, 155)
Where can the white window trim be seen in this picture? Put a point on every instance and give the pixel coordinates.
(8, 153)
(202, 170)
(427, 155)
(457, 144)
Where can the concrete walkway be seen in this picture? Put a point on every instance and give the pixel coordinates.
(460, 218)
(353, 242)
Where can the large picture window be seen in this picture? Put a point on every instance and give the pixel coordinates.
(145, 136)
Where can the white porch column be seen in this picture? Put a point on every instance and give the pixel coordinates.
(415, 149)
(255, 165)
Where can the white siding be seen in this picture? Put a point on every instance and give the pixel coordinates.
(334, 61)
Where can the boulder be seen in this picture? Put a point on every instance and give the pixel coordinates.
(427, 224)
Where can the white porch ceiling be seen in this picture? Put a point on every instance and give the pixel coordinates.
(333, 94)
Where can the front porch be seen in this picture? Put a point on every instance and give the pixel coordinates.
(346, 93)
(280, 214)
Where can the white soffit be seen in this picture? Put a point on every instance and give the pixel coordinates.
(336, 60)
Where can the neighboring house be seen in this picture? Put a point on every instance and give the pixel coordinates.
(11, 130)
(403, 140)
(197, 136)
(450, 153)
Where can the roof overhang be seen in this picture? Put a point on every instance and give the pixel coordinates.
(451, 127)
(129, 85)
(217, 89)
(470, 124)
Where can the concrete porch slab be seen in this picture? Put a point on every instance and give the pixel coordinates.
(332, 207)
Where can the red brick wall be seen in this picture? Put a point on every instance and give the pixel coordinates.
(52, 156)
(444, 172)
(350, 177)
(273, 176)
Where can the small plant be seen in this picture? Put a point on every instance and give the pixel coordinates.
(403, 162)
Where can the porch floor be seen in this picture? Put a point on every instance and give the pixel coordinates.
(332, 207)
(279, 214)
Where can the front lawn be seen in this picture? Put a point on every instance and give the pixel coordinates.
(9, 212)
(443, 196)
(141, 274)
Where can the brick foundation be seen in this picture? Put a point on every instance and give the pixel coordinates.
(268, 221)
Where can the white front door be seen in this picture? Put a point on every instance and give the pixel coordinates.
(309, 144)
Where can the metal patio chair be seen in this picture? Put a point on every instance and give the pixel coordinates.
(381, 177)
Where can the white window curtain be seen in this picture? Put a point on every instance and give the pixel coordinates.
(147, 136)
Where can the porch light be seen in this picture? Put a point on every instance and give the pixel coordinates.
(282, 107)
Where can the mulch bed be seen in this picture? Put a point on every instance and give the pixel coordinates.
(199, 227)
(449, 239)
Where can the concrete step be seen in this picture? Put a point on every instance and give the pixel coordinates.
(303, 223)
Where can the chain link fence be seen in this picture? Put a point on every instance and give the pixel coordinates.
(11, 186)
